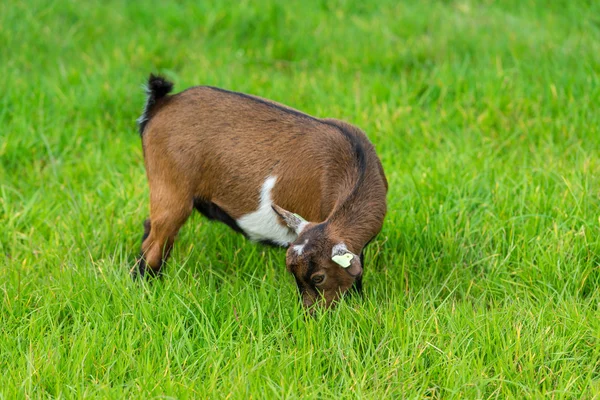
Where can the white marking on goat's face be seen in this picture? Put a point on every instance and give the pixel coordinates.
(299, 248)
(263, 224)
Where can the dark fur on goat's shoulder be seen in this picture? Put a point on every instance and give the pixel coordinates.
(212, 211)
(156, 88)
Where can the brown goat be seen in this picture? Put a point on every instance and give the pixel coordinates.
(246, 161)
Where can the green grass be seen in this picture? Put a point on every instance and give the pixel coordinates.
(483, 283)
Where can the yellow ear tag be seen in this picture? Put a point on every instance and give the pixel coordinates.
(343, 260)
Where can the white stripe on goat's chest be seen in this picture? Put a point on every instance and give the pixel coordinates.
(263, 224)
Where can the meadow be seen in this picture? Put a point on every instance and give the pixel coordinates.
(483, 283)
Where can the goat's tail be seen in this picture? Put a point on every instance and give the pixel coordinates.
(156, 89)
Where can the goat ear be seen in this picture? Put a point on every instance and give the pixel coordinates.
(293, 221)
(346, 259)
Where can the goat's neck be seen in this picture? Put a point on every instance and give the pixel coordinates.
(358, 220)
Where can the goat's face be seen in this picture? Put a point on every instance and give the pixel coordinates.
(323, 266)
(323, 269)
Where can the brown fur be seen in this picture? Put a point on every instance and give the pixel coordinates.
(218, 146)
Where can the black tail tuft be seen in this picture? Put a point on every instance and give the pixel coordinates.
(157, 88)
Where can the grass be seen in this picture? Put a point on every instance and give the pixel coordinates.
(483, 283)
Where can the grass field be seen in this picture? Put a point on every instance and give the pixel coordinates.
(483, 283)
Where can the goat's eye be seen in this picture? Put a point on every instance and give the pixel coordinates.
(318, 279)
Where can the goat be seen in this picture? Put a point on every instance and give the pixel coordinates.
(270, 172)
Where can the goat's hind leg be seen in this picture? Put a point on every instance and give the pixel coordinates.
(169, 209)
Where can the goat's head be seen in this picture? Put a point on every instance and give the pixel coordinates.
(323, 266)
